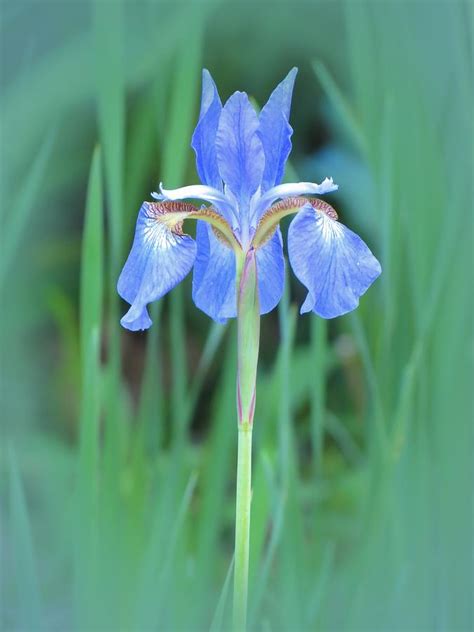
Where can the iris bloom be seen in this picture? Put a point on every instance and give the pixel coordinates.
(240, 159)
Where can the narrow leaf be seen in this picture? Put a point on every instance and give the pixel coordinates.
(28, 598)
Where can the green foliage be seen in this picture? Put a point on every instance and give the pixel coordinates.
(26, 598)
(118, 486)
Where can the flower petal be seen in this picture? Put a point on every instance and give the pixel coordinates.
(275, 131)
(200, 192)
(270, 272)
(239, 150)
(159, 259)
(204, 137)
(214, 276)
(292, 189)
(333, 263)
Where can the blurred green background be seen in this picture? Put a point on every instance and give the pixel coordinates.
(118, 449)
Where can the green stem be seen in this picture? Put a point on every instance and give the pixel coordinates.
(242, 526)
(248, 336)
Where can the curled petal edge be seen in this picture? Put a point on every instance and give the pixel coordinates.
(292, 189)
(199, 192)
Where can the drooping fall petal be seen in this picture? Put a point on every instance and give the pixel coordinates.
(161, 256)
(214, 276)
(334, 263)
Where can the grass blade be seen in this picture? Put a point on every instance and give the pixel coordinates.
(92, 260)
(151, 405)
(28, 598)
(91, 293)
(217, 473)
(316, 604)
(20, 213)
(176, 154)
(291, 559)
(264, 573)
(213, 341)
(318, 392)
(109, 37)
(218, 618)
(155, 575)
(340, 105)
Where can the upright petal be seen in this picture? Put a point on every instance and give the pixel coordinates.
(214, 276)
(204, 137)
(333, 263)
(270, 272)
(160, 258)
(239, 150)
(275, 131)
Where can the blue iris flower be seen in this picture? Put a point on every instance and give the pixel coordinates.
(240, 159)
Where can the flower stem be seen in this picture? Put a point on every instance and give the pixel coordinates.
(242, 526)
(248, 336)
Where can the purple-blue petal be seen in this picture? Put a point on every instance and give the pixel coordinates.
(275, 131)
(334, 264)
(159, 260)
(204, 137)
(214, 276)
(239, 150)
(270, 272)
